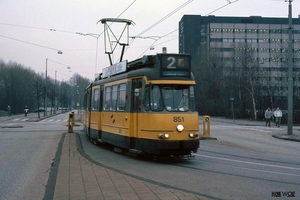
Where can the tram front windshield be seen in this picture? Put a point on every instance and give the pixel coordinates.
(170, 98)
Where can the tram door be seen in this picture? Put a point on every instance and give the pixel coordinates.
(88, 111)
(137, 85)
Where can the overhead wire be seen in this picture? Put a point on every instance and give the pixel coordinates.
(229, 3)
(39, 28)
(143, 32)
(161, 20)
(165, 17)
(51, 29)
(30, 43)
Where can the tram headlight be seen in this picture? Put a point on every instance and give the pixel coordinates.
(163, 136)
(179, 128)
(193, 135)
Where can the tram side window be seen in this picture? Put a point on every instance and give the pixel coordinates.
(147, 98)
(192, 99)
(122, 97)
(95, 100)
(106, 104)
(114, 98)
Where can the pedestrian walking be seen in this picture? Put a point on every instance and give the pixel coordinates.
(8, 110)
(26, 111)
(278, 115)
(268, 116)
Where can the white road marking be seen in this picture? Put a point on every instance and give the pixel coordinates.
(251, 163)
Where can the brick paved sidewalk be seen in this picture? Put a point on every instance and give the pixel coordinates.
(78, 178)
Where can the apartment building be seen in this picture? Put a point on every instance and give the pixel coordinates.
(266, 38)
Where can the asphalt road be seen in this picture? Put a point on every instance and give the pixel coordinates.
(243, 161)
(27, 153)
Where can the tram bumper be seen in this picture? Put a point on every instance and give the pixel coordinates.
(172, 147)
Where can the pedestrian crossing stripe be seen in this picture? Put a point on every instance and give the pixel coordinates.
(54, 120)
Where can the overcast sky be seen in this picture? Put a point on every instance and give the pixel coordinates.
(32, 31)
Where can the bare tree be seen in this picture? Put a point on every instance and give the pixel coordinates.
(246, 72)
(38, 91)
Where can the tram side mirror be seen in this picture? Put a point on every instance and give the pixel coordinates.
(136, 92)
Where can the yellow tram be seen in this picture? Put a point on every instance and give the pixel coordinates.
(146, 106)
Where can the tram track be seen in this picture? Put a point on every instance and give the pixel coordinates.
(124, 172)
(197, 176)
(256, 165)
(245, 157)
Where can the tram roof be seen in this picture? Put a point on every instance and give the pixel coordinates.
(147, 61)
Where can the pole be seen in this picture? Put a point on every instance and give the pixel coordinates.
(55, 94)
(290, 74)
(45, 102)
(96, 55)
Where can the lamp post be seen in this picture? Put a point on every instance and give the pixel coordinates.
(290, 74)
(94, 35)
(45, 90)
(55, 93)
(45, 101)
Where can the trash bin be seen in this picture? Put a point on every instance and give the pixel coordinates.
(206, 126)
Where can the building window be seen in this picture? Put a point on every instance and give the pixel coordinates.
(239, 30)
(265, 50)
(239, 40)
(228, 49)
(227, 40)
(251, 30)
(275, 31)
(285, 41)
(263, 31)
(216, 40)
(215, 30)
(276, 59)
(251, 40)
(275, 40)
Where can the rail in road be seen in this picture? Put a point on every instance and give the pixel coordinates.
(243, 156)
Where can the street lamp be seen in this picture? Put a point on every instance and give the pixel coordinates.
(290, 74)
(45, 101)
(46, 83)
(94, 35)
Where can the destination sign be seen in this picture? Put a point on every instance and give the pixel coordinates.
(114, 69)
(175, 62)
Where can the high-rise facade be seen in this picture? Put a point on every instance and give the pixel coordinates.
(265, 40)
(266, 35)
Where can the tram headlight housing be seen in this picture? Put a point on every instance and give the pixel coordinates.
(179, 128)
(163, 136)
(193, 135)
